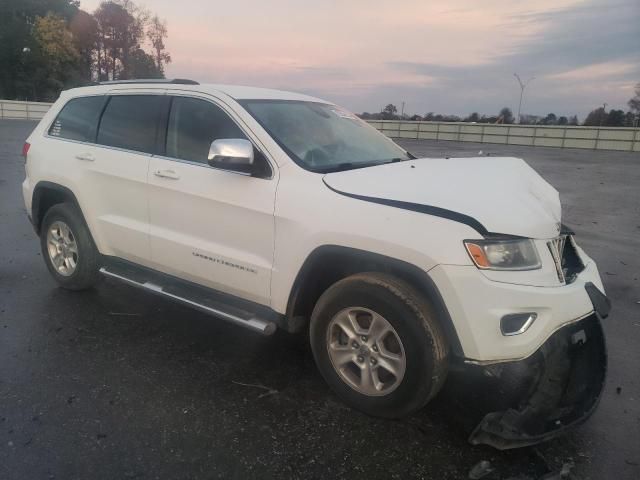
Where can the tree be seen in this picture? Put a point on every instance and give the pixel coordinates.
(573, 120)
(47, 45)
(59, 56)
(596, 117)
(389, 112)
(19, 56)
(120, 32)
(474, 118)
(615, 118)
(630, 119)
(634, 103)
(527, 119)
(112, 20)
(507, 115)
(550, 119)
(562, 120)
(489, 119)
(156, 34)
(143, 65)
(84, 28)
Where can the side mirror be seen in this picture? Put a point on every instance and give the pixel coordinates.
(232, 154)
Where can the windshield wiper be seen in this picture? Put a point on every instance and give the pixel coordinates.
(341, 167)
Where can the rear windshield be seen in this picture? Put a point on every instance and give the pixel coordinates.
(78, 119)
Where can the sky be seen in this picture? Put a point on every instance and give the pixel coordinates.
(454, 56)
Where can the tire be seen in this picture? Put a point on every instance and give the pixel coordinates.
(415, 335)
(85, 273)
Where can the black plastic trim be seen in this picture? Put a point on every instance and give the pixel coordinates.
(40, 188)
(420, 279)
(565, 230)
(107, 99)
(420, 208)
(178, 81)
(600, 301)
(162, 127)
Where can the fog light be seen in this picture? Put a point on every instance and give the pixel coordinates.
(516, 323)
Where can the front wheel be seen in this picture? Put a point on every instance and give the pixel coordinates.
(377, 343)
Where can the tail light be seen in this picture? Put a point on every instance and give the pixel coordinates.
(25, 150)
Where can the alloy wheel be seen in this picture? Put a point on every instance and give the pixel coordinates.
(366, 351)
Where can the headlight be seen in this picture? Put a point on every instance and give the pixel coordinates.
(507, 254)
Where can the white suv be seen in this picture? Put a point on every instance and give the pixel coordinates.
(275, 210)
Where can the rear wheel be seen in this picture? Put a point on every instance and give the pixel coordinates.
(377, 343)
(68, 249)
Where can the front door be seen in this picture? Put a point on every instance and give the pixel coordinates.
(210, 226)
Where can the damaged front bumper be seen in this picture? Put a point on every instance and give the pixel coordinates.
(556, 388)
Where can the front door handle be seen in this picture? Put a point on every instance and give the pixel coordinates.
(87, 157)
(167, 174)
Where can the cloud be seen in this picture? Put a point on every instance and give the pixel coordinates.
(581, 56)
(456, 57)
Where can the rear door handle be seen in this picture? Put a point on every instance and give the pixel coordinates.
(167, 174)
(87, 157)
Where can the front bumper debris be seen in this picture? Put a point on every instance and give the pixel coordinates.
(553, 390)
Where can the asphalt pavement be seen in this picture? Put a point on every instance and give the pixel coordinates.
(113, 383)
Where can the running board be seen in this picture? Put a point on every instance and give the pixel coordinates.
(196, 297)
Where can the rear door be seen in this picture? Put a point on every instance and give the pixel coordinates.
(210, 226)
(117, 173)
(101, 146)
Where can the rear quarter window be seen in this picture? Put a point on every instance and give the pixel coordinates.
(78, 119)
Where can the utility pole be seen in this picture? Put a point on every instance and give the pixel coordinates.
(523, 85)
(402, 111)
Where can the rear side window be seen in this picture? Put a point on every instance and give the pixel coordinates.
(131, 122)
(78, 119)
(193, 125)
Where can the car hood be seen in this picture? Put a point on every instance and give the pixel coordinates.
(500, 195)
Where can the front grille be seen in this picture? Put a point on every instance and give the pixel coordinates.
(566, 258)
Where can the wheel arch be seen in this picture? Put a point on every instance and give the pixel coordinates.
(328, 264)
(47, 194)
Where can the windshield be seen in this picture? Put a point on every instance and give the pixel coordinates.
(323, 138)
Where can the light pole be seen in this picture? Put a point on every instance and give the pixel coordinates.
(26, 52)
(523, 85)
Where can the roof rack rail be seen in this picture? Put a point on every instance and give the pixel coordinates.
(180, 81)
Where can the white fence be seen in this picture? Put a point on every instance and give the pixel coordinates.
(595, 138)
(23, 110)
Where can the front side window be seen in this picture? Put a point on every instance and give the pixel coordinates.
(131, 122)
(193, 125)
(322, 137)
(78, 119)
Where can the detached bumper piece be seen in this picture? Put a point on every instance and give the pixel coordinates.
(555, 389)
